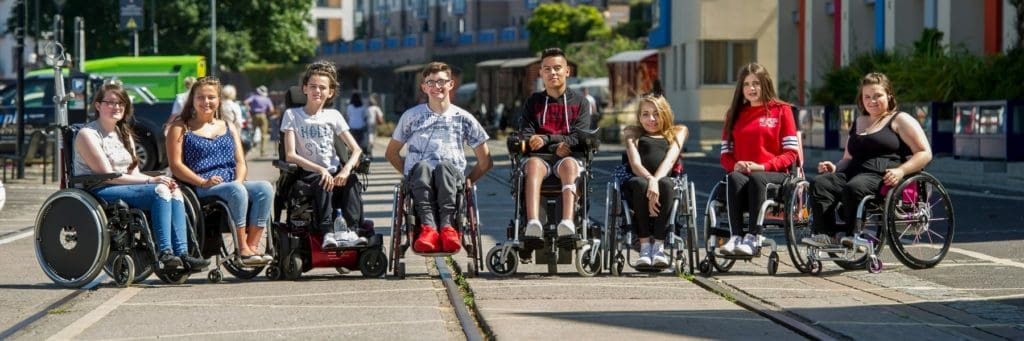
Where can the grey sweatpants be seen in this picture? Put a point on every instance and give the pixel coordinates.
(435, 188)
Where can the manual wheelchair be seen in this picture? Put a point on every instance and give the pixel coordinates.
(622, 236)
(503, 259)
(298, 243)
(78, 234)
(405, 229)
(218, 238)
(785, 209)
(915, 218)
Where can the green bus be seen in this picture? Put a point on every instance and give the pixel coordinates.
(164, 76)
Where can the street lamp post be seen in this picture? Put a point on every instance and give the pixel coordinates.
(213, 38)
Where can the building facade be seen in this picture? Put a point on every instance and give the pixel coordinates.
(699, 56)
(818, 36)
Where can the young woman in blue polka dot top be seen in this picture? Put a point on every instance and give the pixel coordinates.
(206, 152)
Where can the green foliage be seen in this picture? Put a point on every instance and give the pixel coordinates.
(247, 30)
(558, 25)
(591, 56)
(930, 72)
(639, 23)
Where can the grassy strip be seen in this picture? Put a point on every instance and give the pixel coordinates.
(468, 298)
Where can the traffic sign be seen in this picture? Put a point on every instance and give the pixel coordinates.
(131, 15)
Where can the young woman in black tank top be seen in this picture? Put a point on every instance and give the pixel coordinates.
(884, 146)
(652, 150)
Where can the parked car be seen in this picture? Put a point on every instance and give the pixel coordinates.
(150, 115)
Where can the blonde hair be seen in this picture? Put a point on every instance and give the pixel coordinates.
(666, 127)
(228, 92)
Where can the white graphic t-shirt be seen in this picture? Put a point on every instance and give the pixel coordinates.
(435, 138)
(314, 135)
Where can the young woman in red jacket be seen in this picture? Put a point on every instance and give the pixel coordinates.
(759, 143)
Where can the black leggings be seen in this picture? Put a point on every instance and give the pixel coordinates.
(831, 188)
(636, 191)
(746, 192)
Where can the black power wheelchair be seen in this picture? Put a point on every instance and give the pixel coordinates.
(297, 243)
(503, 259)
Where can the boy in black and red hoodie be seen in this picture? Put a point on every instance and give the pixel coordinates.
(553, 123)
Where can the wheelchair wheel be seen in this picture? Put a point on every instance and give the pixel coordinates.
(500, 263)
(123, 270)
(373, 263)
(920, 229)
(173, 277)
(798, 226)
(292, 268)
(71, 238)
(617, 265)
(588, 265)
(773, 263)
(705, 267)
(139, 249)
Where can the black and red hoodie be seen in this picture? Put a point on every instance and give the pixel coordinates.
(561, 119)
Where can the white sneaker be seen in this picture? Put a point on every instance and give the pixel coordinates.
(566, 228)
(730, 246)
(645, 255)
(534, 229)
(750, 244)
(817, 240)
(347, 238)
(329, 241)
(658, 255)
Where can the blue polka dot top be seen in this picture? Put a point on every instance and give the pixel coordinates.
(209, 157)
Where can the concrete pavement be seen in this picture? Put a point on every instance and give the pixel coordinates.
(842, 304)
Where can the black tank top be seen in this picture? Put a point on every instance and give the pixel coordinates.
(652, 152)
(877, 151)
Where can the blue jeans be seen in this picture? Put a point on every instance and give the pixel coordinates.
(166, 209)
(247, 202)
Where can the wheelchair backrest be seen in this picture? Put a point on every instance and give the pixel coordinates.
(67, 152)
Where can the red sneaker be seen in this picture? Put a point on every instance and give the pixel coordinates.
(450, 240)
(427, 241)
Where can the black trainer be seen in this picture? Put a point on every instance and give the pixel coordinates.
(169, 260)
(195, 263)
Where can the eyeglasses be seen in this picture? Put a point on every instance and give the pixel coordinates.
(436, 83)
(114, 104)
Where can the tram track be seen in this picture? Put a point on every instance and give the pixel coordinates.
(750, 303)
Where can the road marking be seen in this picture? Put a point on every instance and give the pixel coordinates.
(982, 256)
(95, 315)
(267, 330)
(6, 240)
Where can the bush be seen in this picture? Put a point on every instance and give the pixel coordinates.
(930, 72)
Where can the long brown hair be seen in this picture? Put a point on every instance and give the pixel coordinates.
(768, 95)
(189, 110)
(123, 127)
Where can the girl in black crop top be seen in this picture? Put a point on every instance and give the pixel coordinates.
(884, 146)
(652, 151)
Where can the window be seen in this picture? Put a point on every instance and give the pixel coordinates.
(721, 59)
(681, 66)
(321, 30)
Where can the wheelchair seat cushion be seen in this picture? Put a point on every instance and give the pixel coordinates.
(909, 193)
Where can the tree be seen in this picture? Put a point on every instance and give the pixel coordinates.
(591, 56)
(558, 25)
(639, 23)
(248, 30)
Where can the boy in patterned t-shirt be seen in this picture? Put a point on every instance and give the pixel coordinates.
(434, 163)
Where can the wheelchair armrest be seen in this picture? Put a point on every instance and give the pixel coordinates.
(285, 166)
(364, 165)
(91, 180)
(154, 173)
